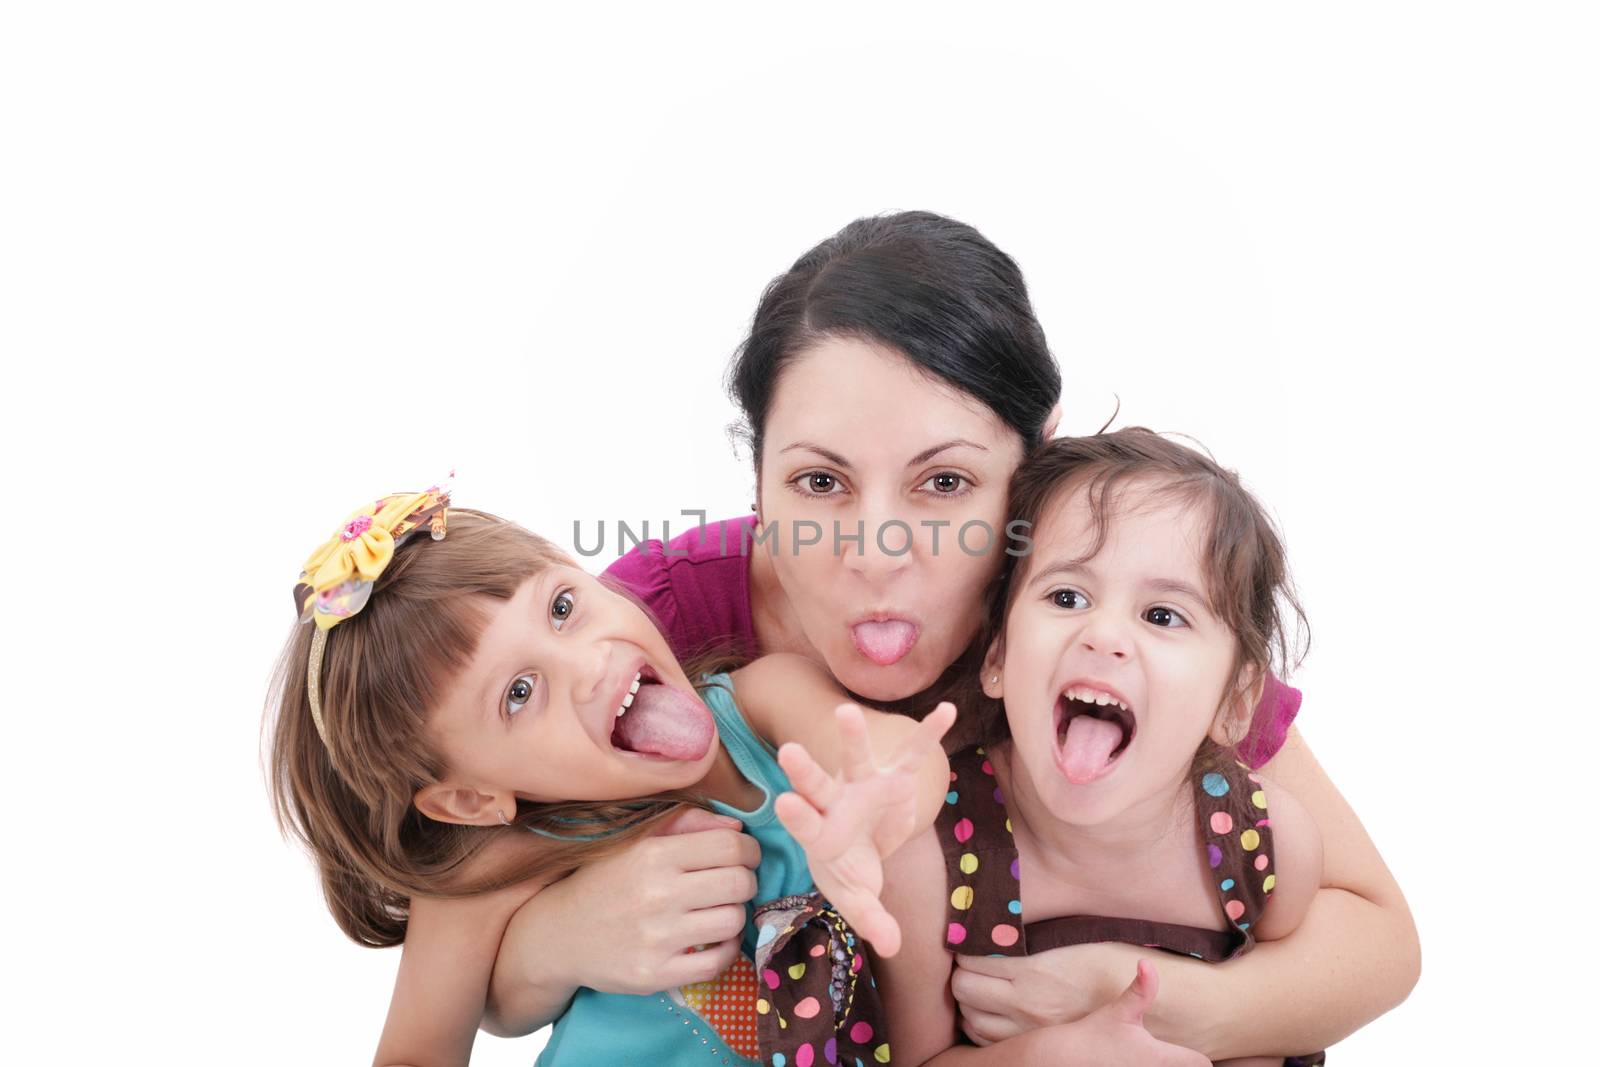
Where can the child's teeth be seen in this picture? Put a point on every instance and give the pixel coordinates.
(1091, 696)
(635, 687)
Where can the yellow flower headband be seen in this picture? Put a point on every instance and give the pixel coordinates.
(337, 579)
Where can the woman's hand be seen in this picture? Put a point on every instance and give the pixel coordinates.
(628, 922)
(1002, 997)
(848, 823)
(1114, 1035)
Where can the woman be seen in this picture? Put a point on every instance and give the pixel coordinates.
(892, 380)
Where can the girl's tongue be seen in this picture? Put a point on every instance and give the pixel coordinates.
(884, 643)
(1086, 750)
(665, 721)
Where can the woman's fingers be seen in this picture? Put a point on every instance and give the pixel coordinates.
(986, 1028)
(980, 992)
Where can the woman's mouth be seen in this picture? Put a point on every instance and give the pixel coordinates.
(885, 641)
(1093, 728)
(662, 721)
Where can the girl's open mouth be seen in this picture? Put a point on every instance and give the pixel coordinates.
(1093, 728)
(661, 721)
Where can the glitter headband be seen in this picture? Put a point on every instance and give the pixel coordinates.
(336, 581)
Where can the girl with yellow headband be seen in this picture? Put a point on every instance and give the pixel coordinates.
(457, 681)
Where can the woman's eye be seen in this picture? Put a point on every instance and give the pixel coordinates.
(818, 483)
(1164, 617)
(520, 693)
(561, 608)
(945, 483)
(1070, 599)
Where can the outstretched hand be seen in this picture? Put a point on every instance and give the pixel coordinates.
(850, 822)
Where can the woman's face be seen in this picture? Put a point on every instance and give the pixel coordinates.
(860, 441)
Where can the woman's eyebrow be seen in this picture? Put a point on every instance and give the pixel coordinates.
(928, 453)
(827, 454)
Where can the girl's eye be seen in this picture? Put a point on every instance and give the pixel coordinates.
(520, 693)
(1165, 617)
(1070, 599)
(561, 608)
(946, 483)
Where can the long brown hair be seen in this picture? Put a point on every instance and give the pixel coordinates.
(349, 801)
(1246, 568)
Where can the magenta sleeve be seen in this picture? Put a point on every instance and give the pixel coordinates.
(1280, 703)
(642, 571)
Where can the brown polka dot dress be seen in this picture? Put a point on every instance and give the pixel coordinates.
(984, 910)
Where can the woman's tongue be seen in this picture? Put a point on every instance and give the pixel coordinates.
(884, 643)
(666, 721)
(1086, 749)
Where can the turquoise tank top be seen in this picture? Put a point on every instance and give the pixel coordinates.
(659, 1029)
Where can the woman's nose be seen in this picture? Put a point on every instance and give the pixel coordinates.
(878, 546)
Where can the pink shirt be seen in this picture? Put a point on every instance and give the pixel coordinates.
(698, 586)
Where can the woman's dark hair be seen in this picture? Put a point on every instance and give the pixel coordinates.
(934, 289)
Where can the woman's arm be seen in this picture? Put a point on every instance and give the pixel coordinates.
(624, 923)
(1354, 957)
(443, 978)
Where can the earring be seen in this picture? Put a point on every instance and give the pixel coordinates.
(503, 820)
(996, 678)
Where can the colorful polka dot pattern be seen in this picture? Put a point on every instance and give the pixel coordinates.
(1233, 807)
(976, 837)
(818, 1002)
(984, 912)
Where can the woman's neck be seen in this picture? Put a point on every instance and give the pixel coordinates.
(1087, 854)
(771, 615)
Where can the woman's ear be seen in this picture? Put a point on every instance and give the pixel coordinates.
(993, 669)
(1051, 421)
(443, 802)
(1232, 724)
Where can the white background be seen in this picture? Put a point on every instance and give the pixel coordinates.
(261, 262)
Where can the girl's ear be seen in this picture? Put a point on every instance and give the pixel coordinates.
(442, 802)
(1232, 723)
(994, 662)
